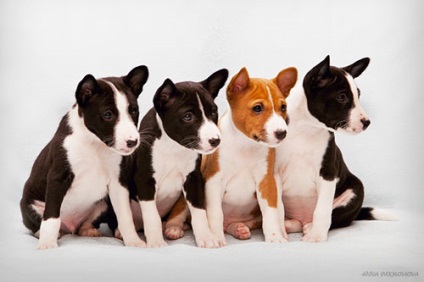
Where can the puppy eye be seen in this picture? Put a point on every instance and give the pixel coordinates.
(214, 114)
(108, 115)
(134, 111)
(283, 108)
(342, 98)
(257, 109)
(188, 117)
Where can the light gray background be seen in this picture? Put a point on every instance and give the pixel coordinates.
(46, 47)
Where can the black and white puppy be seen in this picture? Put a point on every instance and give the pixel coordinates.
(318, 190)
(180, 127)
(81, 165)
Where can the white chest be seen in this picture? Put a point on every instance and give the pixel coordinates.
(94, 166)
(171, 164)
(299, 159)
(242, 166)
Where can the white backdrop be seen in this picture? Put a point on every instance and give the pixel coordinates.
(46, 47)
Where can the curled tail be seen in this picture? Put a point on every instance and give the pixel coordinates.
(367, 213)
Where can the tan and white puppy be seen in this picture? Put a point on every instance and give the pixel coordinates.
(239, 176)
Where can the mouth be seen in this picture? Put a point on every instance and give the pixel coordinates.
(124, 151)
(341, 125)
(205, 152)
(266, 142)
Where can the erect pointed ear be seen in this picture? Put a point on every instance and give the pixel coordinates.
(164, 94)
(320, 75)
(285, 80)
(136, 79)
(357, 67)
(322, 70)
(86, 89)
(215, 82)
(239, 82)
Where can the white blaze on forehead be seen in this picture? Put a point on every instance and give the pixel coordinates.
(125, 129)
(357, 113)
(208, 130)
(274, 123)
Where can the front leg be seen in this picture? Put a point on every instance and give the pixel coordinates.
(59, 181)
(176, 221)
(152, 224)
(194, 192)
(215, 214)
(317, 231)
(280, 205)
(270, 218)
(120, 198)
(271, 205)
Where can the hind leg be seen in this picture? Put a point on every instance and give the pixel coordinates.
(347, 202)
(175, 224)
(292, 226)
(32, 215)
(91, 224)
(241, 230)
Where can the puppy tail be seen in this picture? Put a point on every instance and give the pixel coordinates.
(375, 214)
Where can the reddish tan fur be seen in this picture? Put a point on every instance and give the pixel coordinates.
(210, 165)
(268, 187)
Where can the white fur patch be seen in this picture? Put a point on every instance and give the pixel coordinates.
(207, 131)
(274, 124)
(354, 124)
(125, 129)
(152, 224)
(381, 214)
(344, 199)
(49, 233)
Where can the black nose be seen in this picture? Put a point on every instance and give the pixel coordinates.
(214, 142)
(366, 123)
(132, 143)
(280, 134)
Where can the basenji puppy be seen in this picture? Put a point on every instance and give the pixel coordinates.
(241, 192)
(180, 127)
(81, 165)
(318, 190)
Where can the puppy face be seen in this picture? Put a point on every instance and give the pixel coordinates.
(258, 106)
(333, 97)
(110, 110)
(188, 112)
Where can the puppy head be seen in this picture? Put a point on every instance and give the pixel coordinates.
(188, 111)
(109, 108)
(258, 105)
(333, 97)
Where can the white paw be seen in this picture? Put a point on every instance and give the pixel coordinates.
(156, 243)
(241, 231)
(138, 243)
(307, 228)
(209, 241)
(315, 236)
(174, 232)
(275, 237)
(47, 245)
(218, 234)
